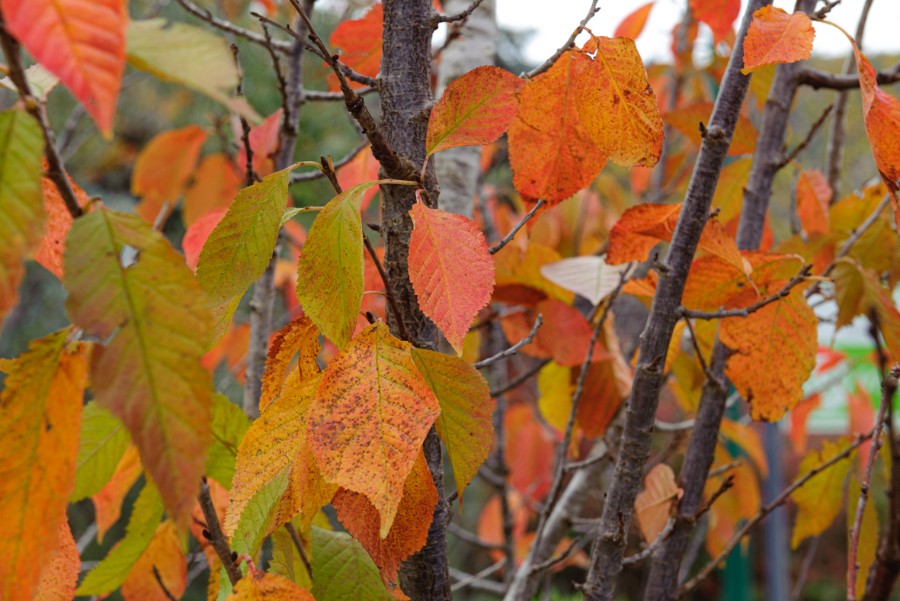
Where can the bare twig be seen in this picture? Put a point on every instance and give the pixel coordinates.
(229, 27)
(648, 551)
(746, 311)
(471, 538)
(573, 546)
(814, 128)
(520, 379)
(387, 287)
(478, 580)
(514, 348)
(804, 568)
(821, 80)
(322, 96)
(593, 10)
(691, 584)
(215, 536)
(318, 174)
(512, 233)
(460, 16)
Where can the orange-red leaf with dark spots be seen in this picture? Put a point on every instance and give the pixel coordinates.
(476, 109)
(813, 200)
(57, 225)
(410, 529)
(632, 25)
(163, 168)
(370, 417)
(359, 42)
(60, 574)
(450, 268)
(551, 151)
(718, 14)
(776, 36)
(80, 41)
(300, 335)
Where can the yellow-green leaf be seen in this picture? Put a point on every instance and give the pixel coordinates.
(330, 272)
(240, 247)
(40, 416)
(467, 409)
(21, 202)
(343, 570)
(103, 442)
(128, 286)
(229, 425)
(819, 501)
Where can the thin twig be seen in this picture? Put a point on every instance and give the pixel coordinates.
(395, 309)
(512, 233)
(162, 585)
(746, 311)
(318, 174)
(814, 128)
(736, 538)
(573, 546)
(215, 536)
(804, 568)
(520, 379)
(514, 348)
(593, 10)
(478, 581)
(298, 544)
(471, 538)
(460, 16)
(648, 551)
(56, 169)
(229, 27)
(322, 96)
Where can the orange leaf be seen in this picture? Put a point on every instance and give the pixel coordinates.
(450, 268)
(40, 421)
(263, 143)
(57, 226)
(718, 14)
(259, 586)
(617, 104)
(108, 502)
(197, 234)
(566, 334)
(410, 529)
(813, 200)
(737, 504)
(299, 335)
(80, 41)
(653, 505)
(776, 36)
(632, 25)
(371, 414)
(215, 183)
(476, 109)
(163, 557)
(712, 283)
(529, 451)
(551, 150)
(60, 574)
(687, 120)
(163, 168)
(780, 341)
(881, 113)
(799, 417)
(360, 43)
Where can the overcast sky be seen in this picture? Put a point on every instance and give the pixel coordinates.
(554, 20)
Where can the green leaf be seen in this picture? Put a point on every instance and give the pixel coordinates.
(258, 514)
(229, 425)
(465, 423)
(330, 272)
(128, 286)
(21, 204)
(240, 247)
(112, 571)
(103, 442)
(159, 48)
(343, 570)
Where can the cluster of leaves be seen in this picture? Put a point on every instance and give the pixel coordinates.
(346, 403)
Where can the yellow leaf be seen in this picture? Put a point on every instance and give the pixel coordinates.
(40, 417)
(555, 400)
(819, 501)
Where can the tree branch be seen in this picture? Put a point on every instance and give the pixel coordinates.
(215, 536)
(460, 16)
(513, 349)
(512, 233)
(593, 10)
(229, 27)
(818, 80)
(747, 311)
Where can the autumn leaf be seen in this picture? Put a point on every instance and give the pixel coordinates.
(518, 273)
(259, 586)
(718, 14)
(476, 109)
(555, 390)
(300, 335)
(858, 291)
(108, 500)
(112, 571)
(343, 569)
(713, 284)
(263, 143)
(197, 234)
(551, 150)
(738, 504)
(229, 426)
(819, 501)
(216, 182)
(653, 505)
(617, 104)
(371, 413)
(813, 199)
(80, 41)
(465, 423)
(159, 47)
(776, 36)
(40, 417)
(779, 340)
(21, 146)
(360, 43)
(163, 559)
(102, 443)
(591, 277)
(530, 451)
(566, 334)
(163, 168)
(450, 269)
(686, 120)
(363, 168)
(747, 438)
(409, 531)
(240, 247)
(57, 225)
(799, 418)
(332, 260)
(60, 574)
(632, 25)
(129, 287)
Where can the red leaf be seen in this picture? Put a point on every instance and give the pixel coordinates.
(196, 235)
(450, 269)
(360, 43)
(363, 168)
(813, 200)
(718, 14)
(776, 36)
(80, 41)
(632, 25)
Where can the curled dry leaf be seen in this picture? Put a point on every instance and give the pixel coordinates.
(653, 505)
